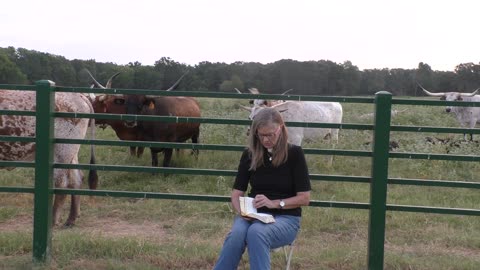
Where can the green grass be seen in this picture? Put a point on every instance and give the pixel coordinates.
(125, 233)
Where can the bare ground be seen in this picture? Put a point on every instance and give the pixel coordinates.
(107, 227)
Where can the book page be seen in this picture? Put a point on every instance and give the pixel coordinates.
(246, 205)
(247, 209)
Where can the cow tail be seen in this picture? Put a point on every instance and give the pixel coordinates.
(92, 174)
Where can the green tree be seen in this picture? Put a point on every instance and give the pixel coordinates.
(229, 85)
(468, 75)
(9, 72)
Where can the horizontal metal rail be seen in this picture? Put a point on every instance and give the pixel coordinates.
(209, 198)
(427, 102)
(216, 94)
(433, 183)
(435, 129)
(433, 210)
(17, 189)
(23, 113)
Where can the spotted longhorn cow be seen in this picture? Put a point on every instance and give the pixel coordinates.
(71, 128)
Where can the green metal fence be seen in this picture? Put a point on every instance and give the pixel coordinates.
(380, 155)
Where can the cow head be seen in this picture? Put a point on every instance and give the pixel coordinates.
(105, 103)
(450, 96)
(256, 109)
(109, 104)
(134, 105)
(262, 102)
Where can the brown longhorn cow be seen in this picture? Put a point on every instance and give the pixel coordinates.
(164, 131)
(111, 104)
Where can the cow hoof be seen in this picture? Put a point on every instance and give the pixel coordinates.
(68, 225)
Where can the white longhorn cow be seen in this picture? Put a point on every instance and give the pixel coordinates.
(71, 128)
(466, 116)
(307, 111)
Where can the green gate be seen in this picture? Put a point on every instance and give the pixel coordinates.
(380, 155)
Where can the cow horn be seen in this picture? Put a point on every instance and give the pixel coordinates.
(469, 94)
(238, 91)
(246, 108)
(431, 94)
(287, 91)
(177, 82)
(102, 97)
(253, 90)
(94, 81)
(109, 82)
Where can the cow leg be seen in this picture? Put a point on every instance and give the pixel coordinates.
(195, 152)
(57, 207)
(154, 155)
(76, 177)
(61, 181)
(133, 150)
(167, 156)
(74, 211)
(140, 151)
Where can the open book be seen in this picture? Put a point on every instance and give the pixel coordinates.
(247, 210)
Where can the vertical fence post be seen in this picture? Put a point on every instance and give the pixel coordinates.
(378, 186)
(42, 216)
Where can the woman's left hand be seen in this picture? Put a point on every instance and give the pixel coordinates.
(262, 201)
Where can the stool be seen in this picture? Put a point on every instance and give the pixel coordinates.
(288, 251)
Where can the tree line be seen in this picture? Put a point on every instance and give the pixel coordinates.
(324, 77)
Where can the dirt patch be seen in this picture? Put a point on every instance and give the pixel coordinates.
(419, 249)
(106, 227)
(17, 224)
(109, 227)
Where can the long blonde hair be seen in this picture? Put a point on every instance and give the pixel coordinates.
(265, 117)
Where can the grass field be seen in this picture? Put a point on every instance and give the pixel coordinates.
(124, 233)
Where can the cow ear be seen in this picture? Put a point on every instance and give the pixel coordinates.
(265, 103)
(459, 98)
(251, 101)
(151, 105)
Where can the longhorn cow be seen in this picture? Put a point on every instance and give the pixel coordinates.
(164, 131)
(302, 111)
(110, 104)
(71, 128)
(151, 130)
(307, 111)
(466, 116)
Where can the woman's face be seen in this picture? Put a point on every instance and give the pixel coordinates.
(268, 135)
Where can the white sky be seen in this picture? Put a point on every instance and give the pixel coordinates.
(369, 33)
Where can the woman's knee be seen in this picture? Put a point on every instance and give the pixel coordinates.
(257, 232)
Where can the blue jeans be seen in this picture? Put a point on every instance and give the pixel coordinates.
(259, 238)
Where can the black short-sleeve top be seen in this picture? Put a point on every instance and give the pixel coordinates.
(275, 182)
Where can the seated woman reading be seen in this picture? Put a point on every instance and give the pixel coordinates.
(279, 183)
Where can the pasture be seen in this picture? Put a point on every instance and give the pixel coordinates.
(125, 233)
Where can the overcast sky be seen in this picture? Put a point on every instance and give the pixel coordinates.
(369, 33)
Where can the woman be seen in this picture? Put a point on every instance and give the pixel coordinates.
(280, 185)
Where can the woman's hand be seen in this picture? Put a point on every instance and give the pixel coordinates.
(262, 201)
